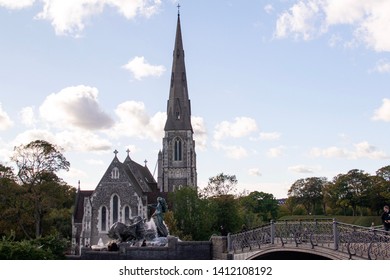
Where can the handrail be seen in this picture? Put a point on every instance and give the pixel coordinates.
(352, 240)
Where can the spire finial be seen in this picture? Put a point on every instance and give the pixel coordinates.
(178, 9)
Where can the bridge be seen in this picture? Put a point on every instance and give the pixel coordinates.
(309, 239)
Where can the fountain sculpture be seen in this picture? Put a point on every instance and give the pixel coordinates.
(141, 231)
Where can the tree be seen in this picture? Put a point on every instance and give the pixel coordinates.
(37, 164)
(262, 204)
(352, 189)
(308, 192)
(221, 184)
(191, 214)
(13, 216)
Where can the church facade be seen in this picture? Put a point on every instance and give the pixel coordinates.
(128, 189)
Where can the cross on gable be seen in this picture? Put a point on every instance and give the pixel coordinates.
(145, 162)
(128, 151)
(115, 152)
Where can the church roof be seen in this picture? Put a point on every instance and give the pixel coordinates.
(139, 173)
(78, 213)
(179, 106)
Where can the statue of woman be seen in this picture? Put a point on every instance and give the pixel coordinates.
(158, 216)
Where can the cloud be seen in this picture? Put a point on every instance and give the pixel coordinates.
(383, 112)
(231, 151)
(5, 121)
(301, 20)
(360, 150)
(75, 107)
(276, 152)
(242, 126)
(135, 122)
(200, 132)
(268, 8)
(27, 116)
(68, 17)
(254, 172)
(267, 136)
(95, 162)
(77, 141)
(302, 169)
(140, 68)
(16, 4)
(307, 19)
(382, 66)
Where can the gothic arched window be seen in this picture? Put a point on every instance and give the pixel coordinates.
(115, 209)
(178, 150)
(127, 213)
(115, 173)
(103, 219)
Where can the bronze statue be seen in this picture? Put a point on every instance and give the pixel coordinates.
(158, 217)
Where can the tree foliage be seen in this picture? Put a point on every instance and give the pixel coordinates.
(35, 201)
(221, 184)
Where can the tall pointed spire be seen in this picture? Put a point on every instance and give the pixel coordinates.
(179, 107)
(177, 160)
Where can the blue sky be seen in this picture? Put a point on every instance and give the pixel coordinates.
(280, 90)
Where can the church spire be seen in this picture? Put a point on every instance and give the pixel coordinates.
(179, 107)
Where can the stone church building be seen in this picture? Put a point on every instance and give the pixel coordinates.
(128, 189)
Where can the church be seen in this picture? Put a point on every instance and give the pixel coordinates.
(128, 189)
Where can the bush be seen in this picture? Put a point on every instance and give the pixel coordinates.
(47, 248)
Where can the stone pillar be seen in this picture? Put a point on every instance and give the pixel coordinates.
(335, 235)
(219, 247)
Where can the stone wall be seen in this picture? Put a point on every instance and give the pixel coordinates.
(176, 250)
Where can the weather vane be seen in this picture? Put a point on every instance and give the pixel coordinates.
(178, 9)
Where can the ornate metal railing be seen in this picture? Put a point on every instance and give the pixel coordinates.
(354, 241)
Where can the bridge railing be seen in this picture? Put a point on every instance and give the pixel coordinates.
(356, 241)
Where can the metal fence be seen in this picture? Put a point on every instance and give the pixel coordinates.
(362, 242)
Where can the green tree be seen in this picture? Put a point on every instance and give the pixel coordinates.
(352, 190)
(191, 214)
(225, 209)
(221, 184)
(308, 192)
(13, 215)
(264, 205)
(37, 164)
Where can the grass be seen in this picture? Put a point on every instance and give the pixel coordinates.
(364, 221)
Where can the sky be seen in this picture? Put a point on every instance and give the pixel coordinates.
(280, 90)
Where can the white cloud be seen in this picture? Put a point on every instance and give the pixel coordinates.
(254, 172)
(5, 121)
(382, 66)
(95, 162)
(27, 116)
(75, 107)
(242, 126)
(134, 121)
(365, 150)
(140, 68)
(268, 8)
(300, 20)
(76, 140)
(307, 19)
(267, 136)
(302, 169)
(276, 152)
(359, 150)
(200, 133)
(231, 151)
(383, 112)
(16, 4)
(68, 17)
